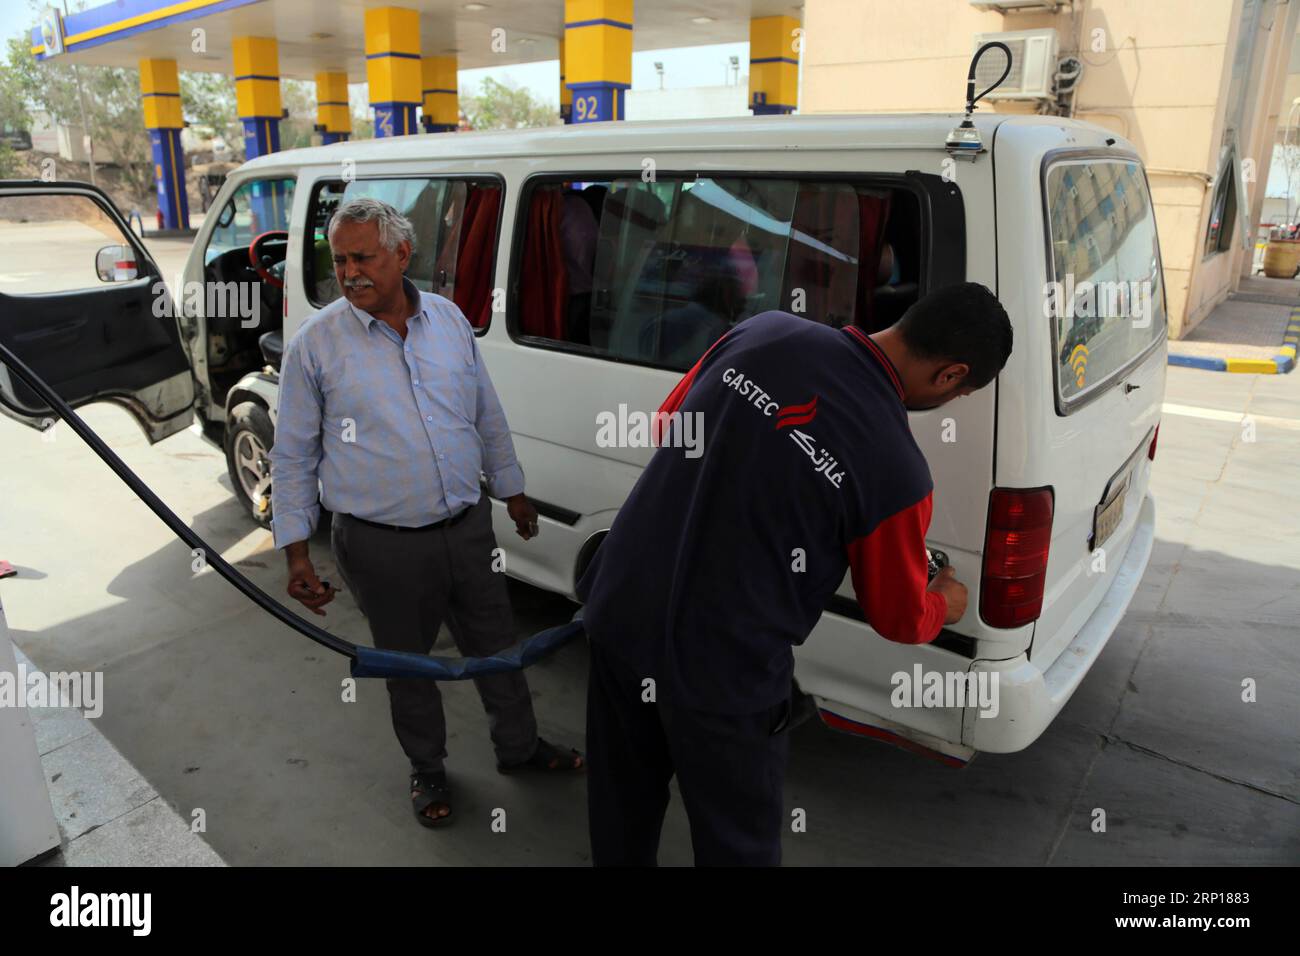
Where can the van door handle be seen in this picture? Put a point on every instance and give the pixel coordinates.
(1130, 387)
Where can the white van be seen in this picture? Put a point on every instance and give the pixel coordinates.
(597, 263)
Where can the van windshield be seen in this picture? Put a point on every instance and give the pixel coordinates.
(1104, 295)
(258, 206)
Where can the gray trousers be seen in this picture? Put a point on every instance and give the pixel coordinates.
(407, 583)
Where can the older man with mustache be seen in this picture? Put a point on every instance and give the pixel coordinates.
(385, 402)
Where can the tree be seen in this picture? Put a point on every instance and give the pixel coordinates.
(208, 99)
(299, 98)
(111, 97)
(9, 165)
(500, 105)
(14, 111)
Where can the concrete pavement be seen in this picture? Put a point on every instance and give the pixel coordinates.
(218, 707)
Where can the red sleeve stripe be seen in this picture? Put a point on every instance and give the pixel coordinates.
(890, 577)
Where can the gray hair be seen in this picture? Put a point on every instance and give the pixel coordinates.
(394, 228)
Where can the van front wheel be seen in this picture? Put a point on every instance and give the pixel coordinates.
(249, 436)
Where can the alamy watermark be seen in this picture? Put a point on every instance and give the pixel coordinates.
(75, 908)
(635, 429)
(214, 300)
(83, 690)
(922, 688)
(1099, 300)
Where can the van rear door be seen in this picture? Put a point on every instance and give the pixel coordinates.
(1082, 416)
(85, 307)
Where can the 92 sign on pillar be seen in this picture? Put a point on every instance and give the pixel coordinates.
(586, 109)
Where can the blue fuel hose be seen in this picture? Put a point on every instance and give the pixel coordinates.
(365, 661)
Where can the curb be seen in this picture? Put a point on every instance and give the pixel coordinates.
(1279, 364)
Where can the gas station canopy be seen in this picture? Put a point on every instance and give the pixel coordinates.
(408, 53)
(315, 36)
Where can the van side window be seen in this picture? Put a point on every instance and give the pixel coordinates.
(1104, 291)
(655, 272)
(455, 224)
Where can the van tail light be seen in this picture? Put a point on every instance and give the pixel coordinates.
(1015, 556)
(1151, 452)
(284, 297)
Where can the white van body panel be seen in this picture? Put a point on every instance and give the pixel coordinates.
(551, 397)
(1075, 452)
(1031, 695)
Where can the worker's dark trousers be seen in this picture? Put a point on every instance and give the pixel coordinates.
(407, 583)
(729, 769)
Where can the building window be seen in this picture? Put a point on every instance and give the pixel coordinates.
(1223, 210)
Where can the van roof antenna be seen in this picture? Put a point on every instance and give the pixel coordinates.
(964, 140)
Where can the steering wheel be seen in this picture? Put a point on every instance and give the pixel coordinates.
(263, 260)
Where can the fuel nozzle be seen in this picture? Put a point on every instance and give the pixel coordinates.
(937, 560)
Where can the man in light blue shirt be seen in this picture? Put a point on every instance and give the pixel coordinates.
(385, 405)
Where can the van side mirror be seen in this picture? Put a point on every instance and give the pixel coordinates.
(116, 264)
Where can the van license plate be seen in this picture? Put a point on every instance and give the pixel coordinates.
(1108, 514)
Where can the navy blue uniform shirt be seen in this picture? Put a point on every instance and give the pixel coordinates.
(717, 565)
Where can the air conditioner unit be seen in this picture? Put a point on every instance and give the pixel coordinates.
(1016, 6)
(1033, 64)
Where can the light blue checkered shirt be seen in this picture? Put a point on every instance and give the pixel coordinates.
(395, 431)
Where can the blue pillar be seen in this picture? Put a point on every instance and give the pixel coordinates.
(261, 136)
(169, 168)
(269, 203)
(394, 119)
(161, 101)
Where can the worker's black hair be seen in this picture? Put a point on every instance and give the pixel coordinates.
(962, 323)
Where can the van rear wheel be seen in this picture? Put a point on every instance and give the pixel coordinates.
(249, 437)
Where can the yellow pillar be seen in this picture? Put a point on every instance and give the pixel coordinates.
(160, 95)
(441, 96)
(257, 93)
(333, 118)
(773, 64)
(566, 94)
(393, 69)
(597, 57)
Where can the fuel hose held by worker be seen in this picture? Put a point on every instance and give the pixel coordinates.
(365, 661)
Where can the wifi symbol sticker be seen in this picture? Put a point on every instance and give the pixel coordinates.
(1079, 363)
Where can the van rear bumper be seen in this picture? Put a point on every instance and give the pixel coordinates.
(1030, 698)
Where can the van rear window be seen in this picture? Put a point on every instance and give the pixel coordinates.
(1104, 295)
(455, 223)
(654, 272)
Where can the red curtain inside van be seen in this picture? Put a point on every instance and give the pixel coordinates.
(476, 254)
(873, 213)
(543, 276)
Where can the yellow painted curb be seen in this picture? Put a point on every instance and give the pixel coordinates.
(1255, 366)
